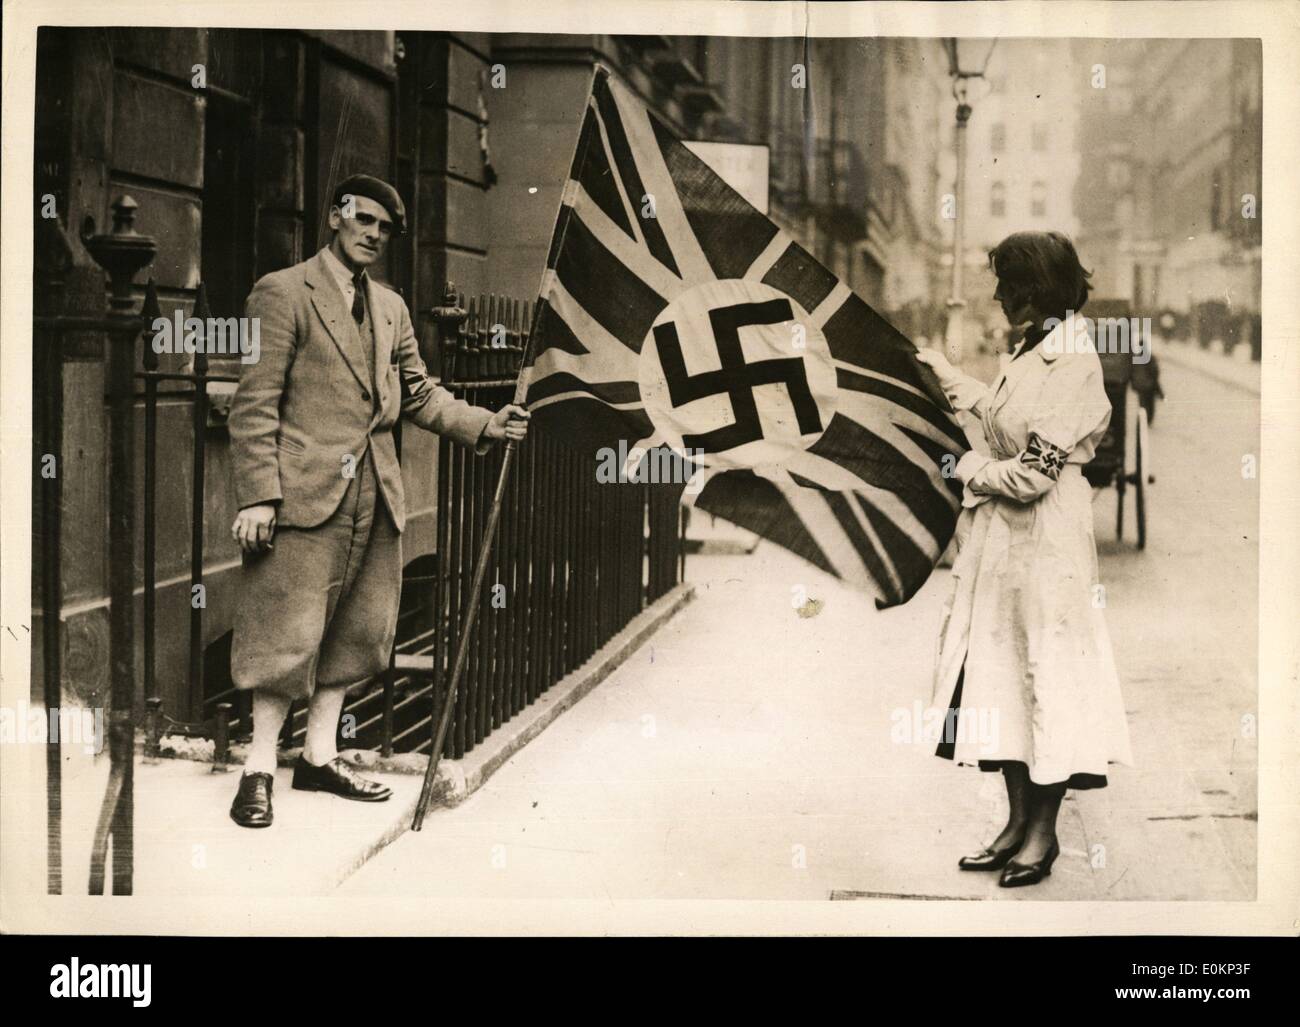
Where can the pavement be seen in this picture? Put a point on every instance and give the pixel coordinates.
(187, 845)
(748, 752)
(1236, 370)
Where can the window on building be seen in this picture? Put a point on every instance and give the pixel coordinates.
(1039, 137)
(998, 200)
(227, 219)
(998, 137)
(1038, 200)
(353, 126)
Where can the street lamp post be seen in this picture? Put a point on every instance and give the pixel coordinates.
(952, 339)
(961, 60)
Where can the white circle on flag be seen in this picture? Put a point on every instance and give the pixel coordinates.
(738, 373)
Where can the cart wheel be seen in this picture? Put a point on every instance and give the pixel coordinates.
(1143, 422)
(1139, 480)
(1119, 505)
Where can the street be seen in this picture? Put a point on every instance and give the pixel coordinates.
(749, 752)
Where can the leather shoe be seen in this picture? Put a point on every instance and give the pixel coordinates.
(1017, 875)
(337, 778)
(252, 805)
(989, 859)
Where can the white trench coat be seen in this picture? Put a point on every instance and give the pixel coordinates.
(1025, 618)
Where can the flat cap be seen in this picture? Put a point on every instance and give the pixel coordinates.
(379, 191)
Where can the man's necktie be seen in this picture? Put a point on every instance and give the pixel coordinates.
(358, 297)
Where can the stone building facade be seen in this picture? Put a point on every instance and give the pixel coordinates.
(229, 141)
(1174, 144)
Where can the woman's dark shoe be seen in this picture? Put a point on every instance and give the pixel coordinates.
(252, 805)
(990, 858)
(1017, 875)
(338, 778)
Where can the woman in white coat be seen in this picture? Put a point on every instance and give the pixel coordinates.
(1023, 642)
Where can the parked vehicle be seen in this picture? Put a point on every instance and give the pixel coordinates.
(1109, 464)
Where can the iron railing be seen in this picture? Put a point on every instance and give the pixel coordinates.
(122, 252)
(574, 562)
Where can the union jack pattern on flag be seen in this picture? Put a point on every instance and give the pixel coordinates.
(674, 314)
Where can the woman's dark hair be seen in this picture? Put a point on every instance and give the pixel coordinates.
(1046, 267)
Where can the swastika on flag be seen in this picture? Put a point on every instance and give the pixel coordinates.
(710, 329)
(738, 370)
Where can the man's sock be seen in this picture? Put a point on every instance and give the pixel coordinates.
(269, 711)
(323, 724)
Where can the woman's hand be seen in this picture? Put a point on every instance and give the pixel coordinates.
(962, 391)
(938, 363)
(510, 422)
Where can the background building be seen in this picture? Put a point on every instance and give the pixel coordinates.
(1022, 163)
(852, 127)
(1175, 138)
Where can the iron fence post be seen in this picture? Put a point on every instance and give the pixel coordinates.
(153, 728)
(121, 253)
(221, 738)
(200, 421)
(53, 259)
(150, 312)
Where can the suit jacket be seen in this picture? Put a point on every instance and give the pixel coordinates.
(305, 411)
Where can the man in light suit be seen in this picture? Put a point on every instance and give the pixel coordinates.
(319, 489)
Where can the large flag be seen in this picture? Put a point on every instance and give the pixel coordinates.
(674, 314)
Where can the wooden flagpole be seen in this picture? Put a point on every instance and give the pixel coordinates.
(494, 514)
(476, 586)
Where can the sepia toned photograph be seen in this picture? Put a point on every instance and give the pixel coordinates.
(798, 458)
